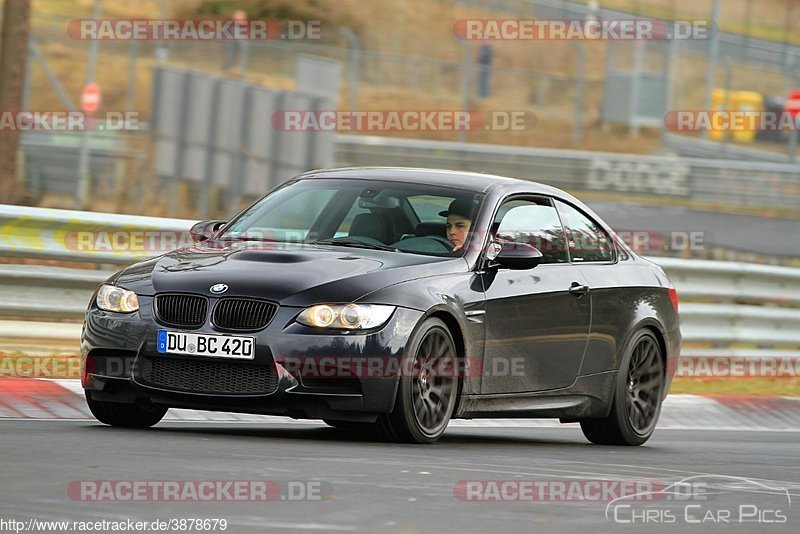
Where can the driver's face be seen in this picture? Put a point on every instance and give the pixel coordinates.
(457, 228)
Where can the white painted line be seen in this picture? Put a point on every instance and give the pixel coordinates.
(679, 412)
(309, 422)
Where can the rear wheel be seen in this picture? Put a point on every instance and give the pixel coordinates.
(637, 396)
(426, 396)
(123, 414)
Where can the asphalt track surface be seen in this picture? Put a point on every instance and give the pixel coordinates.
(380, 487)
(778, 236)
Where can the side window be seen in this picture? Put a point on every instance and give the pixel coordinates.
(587, 239)
(427, 207)
(535, 222)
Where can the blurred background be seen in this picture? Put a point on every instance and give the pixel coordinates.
(204, 144)
(199, 138)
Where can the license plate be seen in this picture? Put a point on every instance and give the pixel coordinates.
(238, 347)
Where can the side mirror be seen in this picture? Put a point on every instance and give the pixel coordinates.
(518, 256)
(204, 230)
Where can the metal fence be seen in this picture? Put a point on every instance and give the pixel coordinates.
(561, 90)
(117, 166)
(741, 46)
(723, 304)
(216, 132)
(121, 166)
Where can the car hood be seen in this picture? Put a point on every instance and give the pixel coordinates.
(291, 274)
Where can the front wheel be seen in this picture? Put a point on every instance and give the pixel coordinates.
(427, 394)
(637, 396)
(123, 414)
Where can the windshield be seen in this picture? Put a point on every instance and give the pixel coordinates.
(401, 217)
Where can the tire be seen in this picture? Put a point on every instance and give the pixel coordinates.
(123, 414)
(425, 401)
(636, 403)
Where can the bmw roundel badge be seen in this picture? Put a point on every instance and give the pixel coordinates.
(219, 288)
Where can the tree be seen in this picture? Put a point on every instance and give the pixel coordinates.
(13, 58)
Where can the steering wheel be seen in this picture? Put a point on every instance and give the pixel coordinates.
(448, 246)
(425, 243)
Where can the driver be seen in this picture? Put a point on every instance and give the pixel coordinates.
(458, 221)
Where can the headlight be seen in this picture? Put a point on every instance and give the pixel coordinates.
(116, 299)
(346, 316)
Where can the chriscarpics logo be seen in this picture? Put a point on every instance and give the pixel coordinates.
(706, 500)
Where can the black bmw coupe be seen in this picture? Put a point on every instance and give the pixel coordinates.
(391, 300)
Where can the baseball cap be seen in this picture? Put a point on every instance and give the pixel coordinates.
(460, 206)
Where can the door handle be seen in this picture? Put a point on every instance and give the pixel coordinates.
(578, 290)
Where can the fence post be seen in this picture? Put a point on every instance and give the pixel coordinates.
(84, 178)
(793, 134)
(713, 53)
(239, 176)
(354, 69)
(180, 141)
(208, 172)
(26, 82)
(466, 74)
(726, 107)
(577, 126)
(244, 57)
(638, 57)
(131, 93)
(51, 77)
(669, 75)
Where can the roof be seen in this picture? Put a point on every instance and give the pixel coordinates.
(461, 179)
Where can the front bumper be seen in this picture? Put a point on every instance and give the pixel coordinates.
(307, 372)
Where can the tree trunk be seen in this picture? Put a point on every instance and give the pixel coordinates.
(13, 57)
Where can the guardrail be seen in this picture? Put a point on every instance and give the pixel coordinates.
(732, 183)
(695, 147)
(723, 304)
(80, 236)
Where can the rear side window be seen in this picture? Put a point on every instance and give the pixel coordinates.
(587, 240)
(535, 222)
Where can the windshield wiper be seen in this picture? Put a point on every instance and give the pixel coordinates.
(354, 243)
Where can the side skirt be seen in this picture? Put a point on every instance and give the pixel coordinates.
(589, 396)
